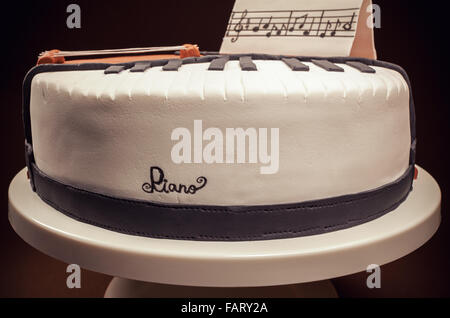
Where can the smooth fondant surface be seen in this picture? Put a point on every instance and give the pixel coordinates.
(339, 132)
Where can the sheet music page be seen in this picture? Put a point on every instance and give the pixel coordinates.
(292, 27)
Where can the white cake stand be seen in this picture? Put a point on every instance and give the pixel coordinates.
(166, 263)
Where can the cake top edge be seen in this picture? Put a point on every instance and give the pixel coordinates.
(173, 62)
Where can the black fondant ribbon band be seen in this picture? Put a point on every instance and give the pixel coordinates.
(221, 223)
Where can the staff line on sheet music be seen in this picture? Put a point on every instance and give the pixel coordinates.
(291, 23)
(290, 34)
(273, 11)
(287, 17)
(249, 29)
(294, 35)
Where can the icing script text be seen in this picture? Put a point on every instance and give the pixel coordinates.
(158, 183)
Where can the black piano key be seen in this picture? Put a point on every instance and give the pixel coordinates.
(114, 69)
(327, 65)
(141, 66)
(295, 64)
(218, 64)
(247, 64)
(361, 67)
(172, 65)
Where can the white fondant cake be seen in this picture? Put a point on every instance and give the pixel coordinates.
(227, 146)
(327, 133)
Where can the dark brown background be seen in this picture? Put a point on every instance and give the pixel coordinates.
(412, 35)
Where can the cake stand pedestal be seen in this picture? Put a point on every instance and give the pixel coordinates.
(169, 268)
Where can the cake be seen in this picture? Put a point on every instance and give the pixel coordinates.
(219, 147)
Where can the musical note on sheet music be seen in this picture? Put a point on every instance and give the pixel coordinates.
(293, 23)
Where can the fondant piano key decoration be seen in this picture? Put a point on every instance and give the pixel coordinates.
(172, 65)
(295, 64)
(247, 64)
(141, 66)
(114, 69)
(361, 66)
(327, 65)
(218, 64)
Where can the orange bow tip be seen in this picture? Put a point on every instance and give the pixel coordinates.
(190, 50)
(49, 58)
